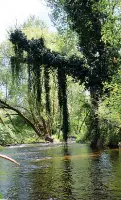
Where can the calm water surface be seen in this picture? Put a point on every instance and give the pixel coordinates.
(53, 172)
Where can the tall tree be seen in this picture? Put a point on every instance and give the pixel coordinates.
(88, 19)
(97, 24)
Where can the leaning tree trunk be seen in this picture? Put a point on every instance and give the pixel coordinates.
(35, 126)
(95, 126)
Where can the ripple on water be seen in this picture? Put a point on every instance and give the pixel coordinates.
(55, 172)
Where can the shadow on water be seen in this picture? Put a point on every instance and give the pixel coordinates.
(70, 172)
(67, 178)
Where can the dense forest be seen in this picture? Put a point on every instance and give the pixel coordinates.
(66, 84)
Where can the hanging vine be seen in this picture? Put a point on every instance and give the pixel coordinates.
(47, 88)
(37, 56)
(62, 98)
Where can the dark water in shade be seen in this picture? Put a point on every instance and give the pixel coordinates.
(51, 172)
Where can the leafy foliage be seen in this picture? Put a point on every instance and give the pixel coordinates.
(37, 56)
(92, 21)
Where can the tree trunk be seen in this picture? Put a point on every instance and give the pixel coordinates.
(36, 127)
(95, 132)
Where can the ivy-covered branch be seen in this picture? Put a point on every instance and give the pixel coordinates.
(39, 54)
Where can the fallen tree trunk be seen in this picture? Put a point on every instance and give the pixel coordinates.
(8, 158)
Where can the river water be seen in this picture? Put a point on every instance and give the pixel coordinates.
(58, 172)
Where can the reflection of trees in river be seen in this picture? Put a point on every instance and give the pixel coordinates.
(50, 178)
(32, 180)
(45, 179)
(42, 181)
(72, 172)
(67, 180)
(115, 183)
(54, 179)
(9, 179)
(100, 173)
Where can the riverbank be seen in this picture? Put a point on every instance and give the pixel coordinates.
(41, 141)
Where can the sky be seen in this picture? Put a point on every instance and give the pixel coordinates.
(15, 12)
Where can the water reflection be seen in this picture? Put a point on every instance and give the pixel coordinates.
(115, 182)
(72, 172)
(66, 178)
(100, 172)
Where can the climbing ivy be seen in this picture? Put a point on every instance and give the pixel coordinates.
(35, 55)
(99, 62)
